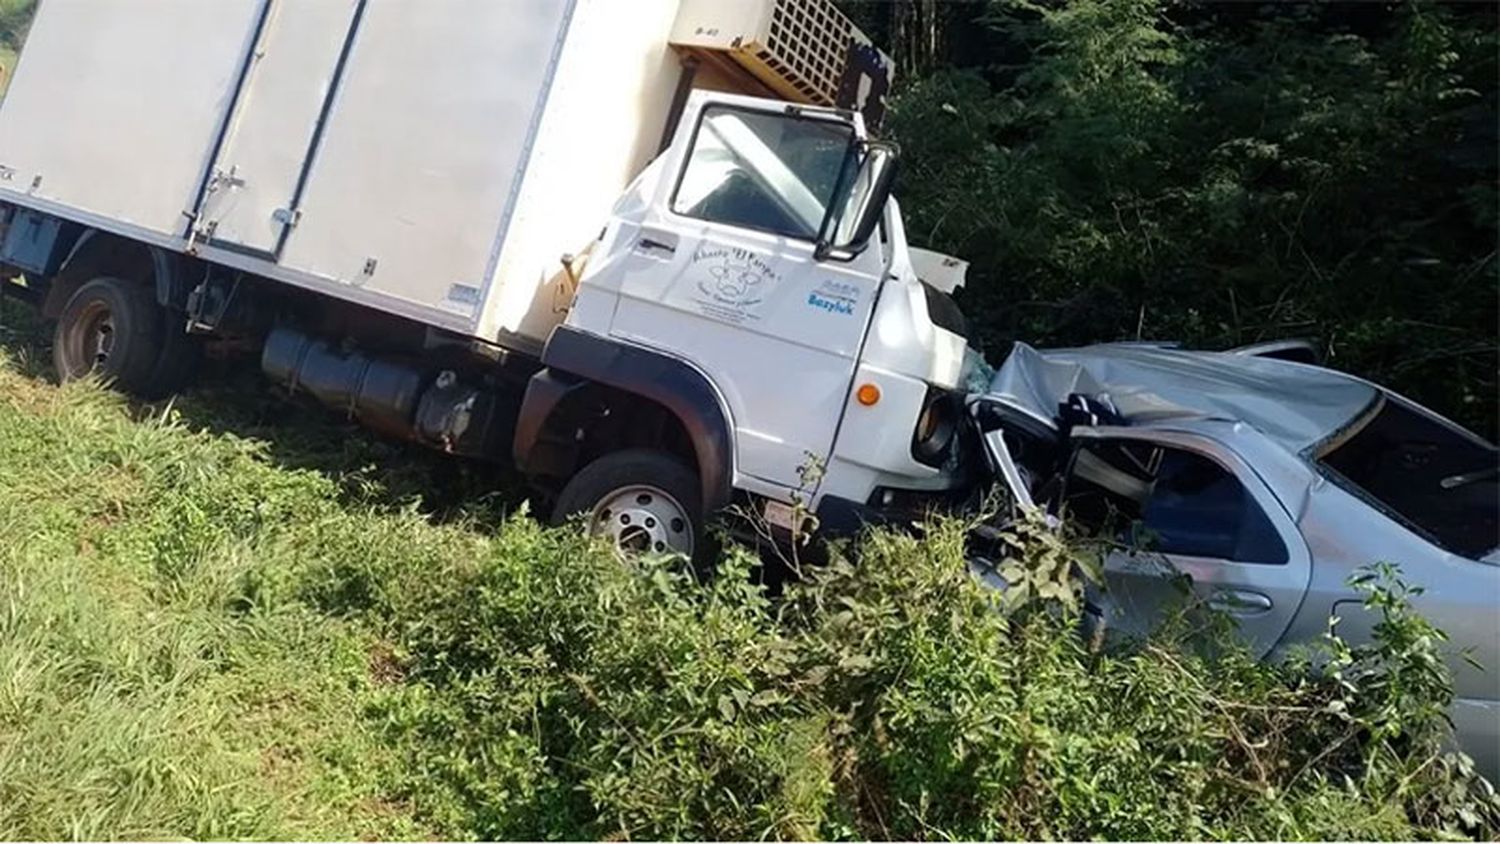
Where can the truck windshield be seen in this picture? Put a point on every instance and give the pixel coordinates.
(772, 172)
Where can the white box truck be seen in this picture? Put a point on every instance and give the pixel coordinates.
(644, 249)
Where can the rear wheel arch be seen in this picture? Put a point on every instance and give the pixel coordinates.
(98, 253)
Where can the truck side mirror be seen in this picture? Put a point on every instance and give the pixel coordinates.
(848, 233)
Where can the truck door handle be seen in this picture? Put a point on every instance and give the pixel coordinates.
(1240, 602)
(648, 243)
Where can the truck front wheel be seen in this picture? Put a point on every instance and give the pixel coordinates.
(110, 327)
(645, 501)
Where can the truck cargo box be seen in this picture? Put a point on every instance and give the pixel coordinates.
(429, 158)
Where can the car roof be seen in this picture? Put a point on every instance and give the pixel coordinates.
(1295, 405)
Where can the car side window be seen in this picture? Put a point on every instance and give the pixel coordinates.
(1170, 500)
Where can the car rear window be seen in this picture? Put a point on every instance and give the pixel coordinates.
(1433, 475)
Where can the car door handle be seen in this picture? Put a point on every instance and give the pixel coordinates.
(1240, 602)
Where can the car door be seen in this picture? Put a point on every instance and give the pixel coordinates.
(723, 273)
(1188, 521)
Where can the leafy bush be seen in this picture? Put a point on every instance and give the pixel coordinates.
(1222, 174)
(552, 691)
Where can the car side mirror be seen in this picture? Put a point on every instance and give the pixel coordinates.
(847, 234)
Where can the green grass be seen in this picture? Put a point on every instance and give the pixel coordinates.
(146, 689)
(236, 617)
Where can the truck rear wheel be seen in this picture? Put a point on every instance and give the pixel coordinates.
(110, 327)
(645, 501)
(177, 364)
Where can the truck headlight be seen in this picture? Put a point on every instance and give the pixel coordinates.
(937, 426)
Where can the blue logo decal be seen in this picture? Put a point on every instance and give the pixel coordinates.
(833, 306)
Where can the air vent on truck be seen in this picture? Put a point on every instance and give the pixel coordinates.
(804, 50)
(808, 46)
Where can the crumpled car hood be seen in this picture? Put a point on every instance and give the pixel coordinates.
(1295, 404)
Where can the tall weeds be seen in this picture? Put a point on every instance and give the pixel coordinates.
(196, 640)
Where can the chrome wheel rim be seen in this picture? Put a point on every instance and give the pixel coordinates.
(643, 519)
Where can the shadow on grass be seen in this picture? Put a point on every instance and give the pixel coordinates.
(231, 397)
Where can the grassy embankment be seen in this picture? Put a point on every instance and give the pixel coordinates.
(232, 617)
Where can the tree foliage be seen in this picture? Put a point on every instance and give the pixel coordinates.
(1218, 174)
(15, 20)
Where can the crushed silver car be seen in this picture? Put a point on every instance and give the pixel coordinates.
(1268, 482)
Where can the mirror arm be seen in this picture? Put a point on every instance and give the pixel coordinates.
(825, 251)
(824, 245)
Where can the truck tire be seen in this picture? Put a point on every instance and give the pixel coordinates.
(112, 328)
(177, 364)
(647, 501)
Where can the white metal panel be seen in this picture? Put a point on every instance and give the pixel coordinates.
(603, 123)
(752, 310)
(274, 120)
(116, 105)
(424, 146)
(721, 24)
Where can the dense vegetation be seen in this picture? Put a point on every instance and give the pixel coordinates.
(15, 19)
(222, 618)
(1215, 173)
(199, 636)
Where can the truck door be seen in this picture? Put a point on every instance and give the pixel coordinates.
(722, 274)
(250, 197)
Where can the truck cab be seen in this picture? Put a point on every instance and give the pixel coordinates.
(399, 208)
(757, 280)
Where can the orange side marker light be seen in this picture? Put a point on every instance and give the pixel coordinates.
(867, 394)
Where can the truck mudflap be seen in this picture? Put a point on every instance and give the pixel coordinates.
(575, 360)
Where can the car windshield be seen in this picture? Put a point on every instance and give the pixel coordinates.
(1435, 476)
(765, 171)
